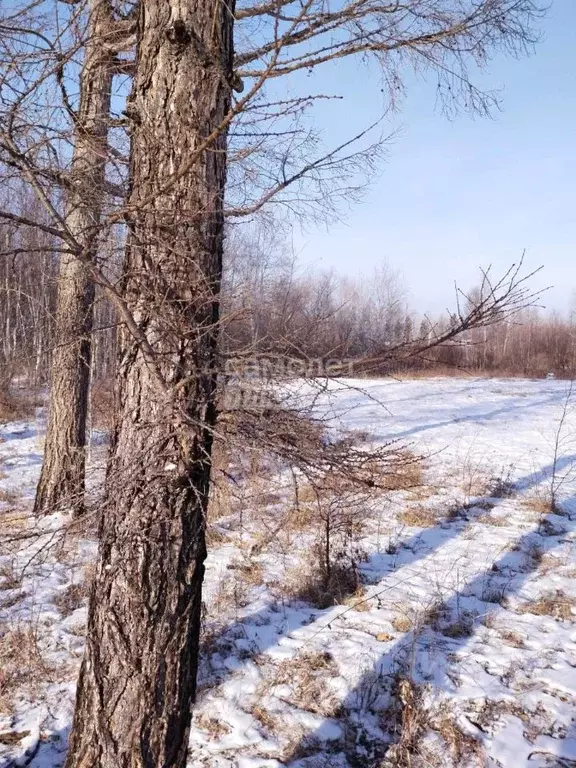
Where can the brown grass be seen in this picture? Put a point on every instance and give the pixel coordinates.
(232, 592)
(557, 604)
(462, 627)
(16, 406)
(512, 638)
(358, 600)
(494, 520)
(71, 598)
(413, 721)
(311, 585)
(418, 517)
(251, 572)
(9, 577)
(402, 623)
(409, 474)
(540, 503)
(8, 496)
(21, 664)
(102, 405)
(213, 726)
(13, 737)
(308, 674)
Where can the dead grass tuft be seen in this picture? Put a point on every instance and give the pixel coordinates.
(215, 727)
(71, 598)
(557, 604)
(540, 502)
(16, 406)
(402, 623)
(269, 723)
(102, 405)
(358, 600)
(414, 721)
(9, 496)
(411, 719)
(308, 675)
(323, 591)
(250, 571)
(462, 627)
(513, 639)
(21, 664)
(418, 517)
(496, 521)
(502, 488)
(232, 592)
(9, 577)
(408, 475)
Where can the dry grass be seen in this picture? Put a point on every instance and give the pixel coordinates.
(213, 726)
(16, 406)
(313, 586)
(492, 710)
(214, 536)
(557, 604)
(540, 503)
(220, 504)
(475, 484)
(232, 593)
(463, 626)
(414, 721)
(497, 521)
(9, 496)
(102, 405)
(418, 517)
(269, 723)
(408, 474)
(308, 675)
(250, 572)
(71, 598)
(9, 577)
(21, 664)
(402, 623)
(513, 639)
(300, 517)
(410, 716)
(358, 600)
(13, 519)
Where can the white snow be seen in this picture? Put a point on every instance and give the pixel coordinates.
(453, 607)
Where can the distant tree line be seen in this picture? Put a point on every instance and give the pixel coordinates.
(273, 308)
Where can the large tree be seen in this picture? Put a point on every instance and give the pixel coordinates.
(61, 484)
(59, 60)
(152, 531)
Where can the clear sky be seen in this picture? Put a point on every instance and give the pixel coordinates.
(456, 195)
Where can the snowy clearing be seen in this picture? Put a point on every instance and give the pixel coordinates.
(460, 648)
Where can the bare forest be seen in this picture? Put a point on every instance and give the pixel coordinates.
(194, 491)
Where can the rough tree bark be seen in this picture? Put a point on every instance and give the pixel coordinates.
(137, 681)
(61, 484)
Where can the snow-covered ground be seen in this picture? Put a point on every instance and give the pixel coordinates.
(460, 648)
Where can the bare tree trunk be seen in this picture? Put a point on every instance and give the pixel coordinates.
(62, 479)
(138, 677)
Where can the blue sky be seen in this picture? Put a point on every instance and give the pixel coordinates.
(456, 195)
